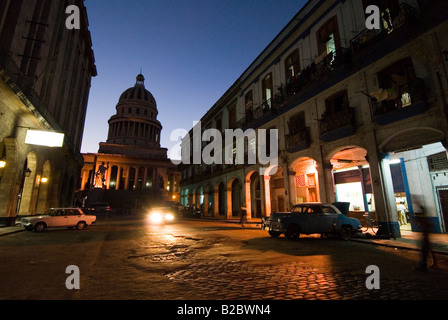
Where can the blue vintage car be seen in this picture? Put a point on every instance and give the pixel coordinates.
(309, 218)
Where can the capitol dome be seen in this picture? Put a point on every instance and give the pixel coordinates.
(135, 122)
(138, 94)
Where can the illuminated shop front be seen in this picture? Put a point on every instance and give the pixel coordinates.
(354, 185)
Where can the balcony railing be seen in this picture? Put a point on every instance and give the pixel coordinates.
(319, 70)
(410, 102)
(299, 140)
(367, 37)
(337, 125)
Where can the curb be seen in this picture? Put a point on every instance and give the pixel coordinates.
(7, 232)
(400, 245)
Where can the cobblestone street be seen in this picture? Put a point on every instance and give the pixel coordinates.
(227, 280)
(204, 260)
(227, 270)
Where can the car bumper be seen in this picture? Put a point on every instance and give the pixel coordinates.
(27, 225)
(272, 226)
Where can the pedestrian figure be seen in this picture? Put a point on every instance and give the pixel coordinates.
(243, 218)
(401, 213)
(426, 249)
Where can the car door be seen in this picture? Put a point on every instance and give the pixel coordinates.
(313, 219)
(72, 217)
(327, 217)
(58, 219)
(299, 217)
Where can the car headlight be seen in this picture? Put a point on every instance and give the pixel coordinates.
(169, 217)
(155, 217)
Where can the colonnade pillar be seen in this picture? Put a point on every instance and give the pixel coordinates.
(382, 184)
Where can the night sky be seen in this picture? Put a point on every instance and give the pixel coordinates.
(190, 52)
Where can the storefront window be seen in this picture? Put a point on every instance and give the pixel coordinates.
(351, 192)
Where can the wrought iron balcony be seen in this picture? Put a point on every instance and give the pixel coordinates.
(365, 38)
(408, 104)
(299, 140)
(319, 70)
(337, 125)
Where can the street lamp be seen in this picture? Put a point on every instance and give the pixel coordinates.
(27, 172)
(2, 163)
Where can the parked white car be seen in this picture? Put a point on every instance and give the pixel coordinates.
(58, 218)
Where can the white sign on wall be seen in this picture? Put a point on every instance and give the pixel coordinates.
(44, 138)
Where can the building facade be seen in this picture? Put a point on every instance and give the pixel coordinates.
(45, 76)
(131, 169)
(361, 117)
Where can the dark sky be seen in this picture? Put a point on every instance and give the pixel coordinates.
(190, 52)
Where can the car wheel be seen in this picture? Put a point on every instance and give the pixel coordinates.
(293, 232)
(274, 234)
(346, 233)
(81, 225)
(40, 227)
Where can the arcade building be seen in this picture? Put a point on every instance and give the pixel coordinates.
(362, 117)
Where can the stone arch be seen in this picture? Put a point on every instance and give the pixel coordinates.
(219, 198)
(25, 206)
(271, 170)
(234, 199)
(418, 135)
(254, 197)
(330, 155)
(8, 185)
(305, 184)
(351, 177)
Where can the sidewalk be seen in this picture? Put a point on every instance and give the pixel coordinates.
(409, 240)
(10, 230)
